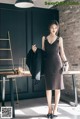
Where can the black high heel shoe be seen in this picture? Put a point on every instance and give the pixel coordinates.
(50, 116)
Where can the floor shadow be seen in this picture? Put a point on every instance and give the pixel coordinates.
(31, 116)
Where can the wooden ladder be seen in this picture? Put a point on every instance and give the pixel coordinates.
(4, 67)
(9, 51)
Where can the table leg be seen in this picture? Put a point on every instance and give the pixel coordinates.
(12, 95)
(3, 91)
(74, 91)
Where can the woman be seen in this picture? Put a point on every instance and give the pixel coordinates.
(55, 56)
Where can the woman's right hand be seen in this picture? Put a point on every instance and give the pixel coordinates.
(34, 48)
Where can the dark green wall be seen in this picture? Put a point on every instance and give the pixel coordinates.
(15, 22)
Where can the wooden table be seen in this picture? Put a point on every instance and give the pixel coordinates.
(73, 73)
(10, 76)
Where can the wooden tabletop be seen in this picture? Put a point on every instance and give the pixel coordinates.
(71, 72)
(19, 75)
(28, 74)
(7, 73)
(12, 75)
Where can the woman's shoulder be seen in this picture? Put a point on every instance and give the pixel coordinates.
(44, 38)
(60, 41)
(60, 38)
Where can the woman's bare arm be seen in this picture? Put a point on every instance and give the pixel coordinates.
(43, 40)
(62, 53)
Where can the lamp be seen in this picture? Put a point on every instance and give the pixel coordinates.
(24, 3)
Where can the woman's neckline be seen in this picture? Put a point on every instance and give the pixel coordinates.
(53, 41)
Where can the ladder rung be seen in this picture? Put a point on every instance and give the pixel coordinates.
(5, 49)
(4, 39)
(6, 59)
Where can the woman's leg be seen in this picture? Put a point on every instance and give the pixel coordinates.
(49, 100)
(57, 98)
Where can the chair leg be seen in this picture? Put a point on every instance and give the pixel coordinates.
(16, 91)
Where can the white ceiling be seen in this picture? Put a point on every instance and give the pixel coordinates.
(37, 3)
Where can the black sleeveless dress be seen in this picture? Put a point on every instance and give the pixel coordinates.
(53, 64)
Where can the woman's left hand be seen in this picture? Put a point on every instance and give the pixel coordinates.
(67, 66)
